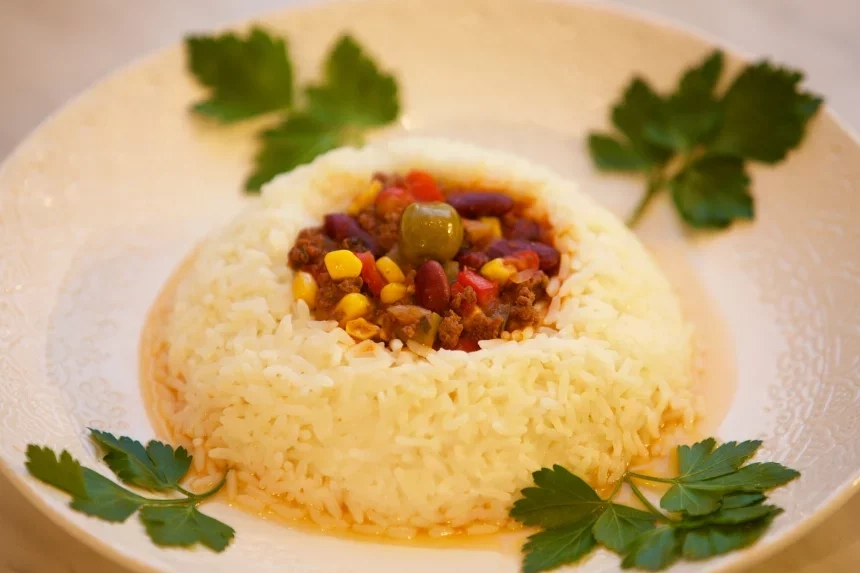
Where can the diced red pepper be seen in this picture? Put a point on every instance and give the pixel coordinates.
(467, 345)
(423, 187)
(525, 259)
(392, 199)
(486, 290)
(370, 274)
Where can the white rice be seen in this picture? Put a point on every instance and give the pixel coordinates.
(397, 442)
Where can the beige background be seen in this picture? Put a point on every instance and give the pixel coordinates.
(51, 50)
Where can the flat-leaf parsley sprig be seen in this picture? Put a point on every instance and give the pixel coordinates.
(156, 467)
(695, 142)
(250, 76)
(716, 504)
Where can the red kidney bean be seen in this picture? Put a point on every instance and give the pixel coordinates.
(480, 204)
(524, 230)
(472, 259)
(431, 287)
(501, 248)
(549, 257)
(341, 227)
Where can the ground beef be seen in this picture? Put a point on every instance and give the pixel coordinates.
(331, 291)
(450, 330)
(522, 298)
(310, 247)
(467, 299)
(347, 286)
(479, 326)
(367, 219)
(522, 309)
(390, 180)
(385, 229)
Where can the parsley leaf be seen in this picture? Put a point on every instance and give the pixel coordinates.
(742, 500)
(63, 472)
(106, 499)
(560, 498)
(559, 546)
(730, 516)
(158, 467)
(719, 503)
(355, 91)
(610, 154)
(183, 526)
(765, 114)
(692, 114)
(171, 464)
(756, 477)
(695, 140)
(354, 97)
(701, 461)
(654, 550)
(708, 476)
(247, 76)
(631, 116)
(619, 525)
(711, 540)
(295, 142)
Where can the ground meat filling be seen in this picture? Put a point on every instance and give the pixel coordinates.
(311, 246)
(415, 260)
(464, 300)
(450, 330)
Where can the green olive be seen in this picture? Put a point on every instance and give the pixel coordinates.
(430, 231)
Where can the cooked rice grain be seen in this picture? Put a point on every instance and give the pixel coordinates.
(383, 439)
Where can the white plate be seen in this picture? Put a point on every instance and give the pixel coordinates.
(99, 205)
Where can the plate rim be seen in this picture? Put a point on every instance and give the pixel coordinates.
(753, 555)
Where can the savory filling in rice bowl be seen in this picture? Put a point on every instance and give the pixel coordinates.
(414, 262)
(420, 419)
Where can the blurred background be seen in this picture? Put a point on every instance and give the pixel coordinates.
(52, 50)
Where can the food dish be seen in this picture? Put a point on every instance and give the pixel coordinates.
(393, 437)
(114, 227)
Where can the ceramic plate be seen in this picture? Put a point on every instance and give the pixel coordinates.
(101, 203)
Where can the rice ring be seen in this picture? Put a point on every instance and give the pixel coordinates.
(401, 441)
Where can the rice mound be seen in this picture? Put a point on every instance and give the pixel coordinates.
(391, 440)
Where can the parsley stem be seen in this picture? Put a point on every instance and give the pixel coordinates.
(655, 183)
(648, 505)
(650, 478)
(201, 496)
(183, 501)
(615, 489)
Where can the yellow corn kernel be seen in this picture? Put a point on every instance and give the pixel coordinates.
(497, 270)
(365, 198)
(392, 292)
(342, 264)
(360, 329)
(352, 306)
(494, 224)
(390, 270)
(305, 288)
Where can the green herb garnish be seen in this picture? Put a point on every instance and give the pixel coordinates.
(252, 76)
(717, 506)
(247, 77)
(694, 142)
(158, 467)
